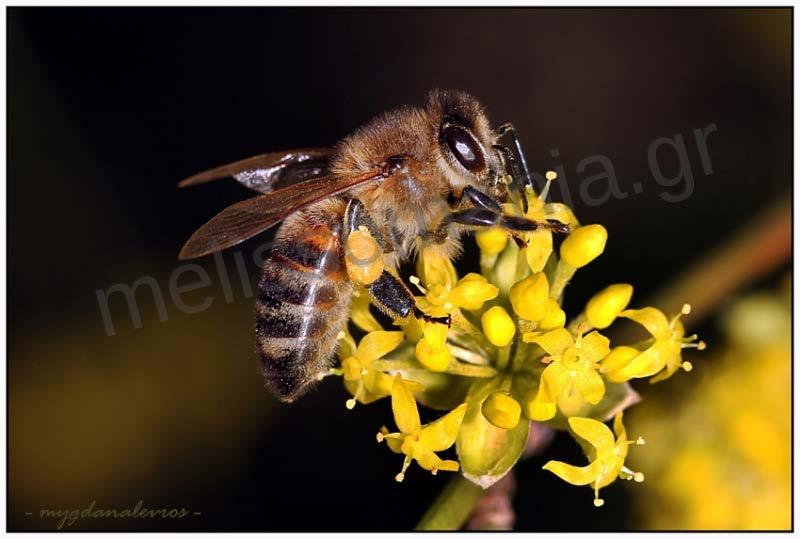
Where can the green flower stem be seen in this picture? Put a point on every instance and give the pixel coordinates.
(563, 274)
(455, 367)
(503, 357)
(572, 327)
(451, 509)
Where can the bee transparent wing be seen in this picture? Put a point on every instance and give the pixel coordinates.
(245, 219)
(270, 172)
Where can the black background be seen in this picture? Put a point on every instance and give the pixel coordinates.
(109, 107)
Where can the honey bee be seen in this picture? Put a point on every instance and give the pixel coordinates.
(412, 177)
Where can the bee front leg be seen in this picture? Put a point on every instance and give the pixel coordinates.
(482, 217)
(394, 299)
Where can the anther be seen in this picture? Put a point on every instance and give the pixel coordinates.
(379, 437)
(598, 502)
(686, 366)
(638, 477)
(639, 441)
(549, 176)
(350, 404)
(686, 309)
(399, 477)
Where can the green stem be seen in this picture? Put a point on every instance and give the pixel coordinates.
(450, 510)
(563, 274)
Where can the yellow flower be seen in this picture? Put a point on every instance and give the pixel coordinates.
(419, 442)
(361, 380)
(583, 245)
(664, 353)
(444, 292)
(540, 242)
(607, 461)
(501, 410)
(605, 306)
(572, 366)
(498, 326)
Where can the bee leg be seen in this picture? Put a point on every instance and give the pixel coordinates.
(394, 299)
(481, 217)
(356, 215)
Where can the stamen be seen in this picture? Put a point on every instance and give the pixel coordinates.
(550, 176)
(686, 309)
(638, 477)
(350, 404)
(402, 475)
(639, 441)
(379, 437)
(598, 501)
(686, 366)
(416, 282)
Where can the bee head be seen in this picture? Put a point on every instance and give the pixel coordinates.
(464, 140)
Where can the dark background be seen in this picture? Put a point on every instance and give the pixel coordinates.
(109, 107)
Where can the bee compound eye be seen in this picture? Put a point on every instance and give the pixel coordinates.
(464, 148)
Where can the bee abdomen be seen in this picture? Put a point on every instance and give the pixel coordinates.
(302, 306)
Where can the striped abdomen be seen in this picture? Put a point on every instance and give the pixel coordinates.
(303, 302)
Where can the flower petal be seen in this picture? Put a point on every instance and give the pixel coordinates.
(377, 344)
(590, 385)
(594, 432)
(653, 320)
(561, 212)
(442, 433)
(540, 246)
(576, 475)
(360, 313)
(647, 363)
(404, 407)
(594, 347)
(554, 342)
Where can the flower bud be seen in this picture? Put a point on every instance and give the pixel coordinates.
(529, 297)
(491, 240)
(435, 358)
(605, 306)
(553, 318)
(583, 245)
(498, 326)
(501, 410)
(472, 291)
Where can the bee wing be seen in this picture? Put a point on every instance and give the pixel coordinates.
(269, 172)
(245, 219)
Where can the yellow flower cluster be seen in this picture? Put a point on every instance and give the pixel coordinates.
(511, 355)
